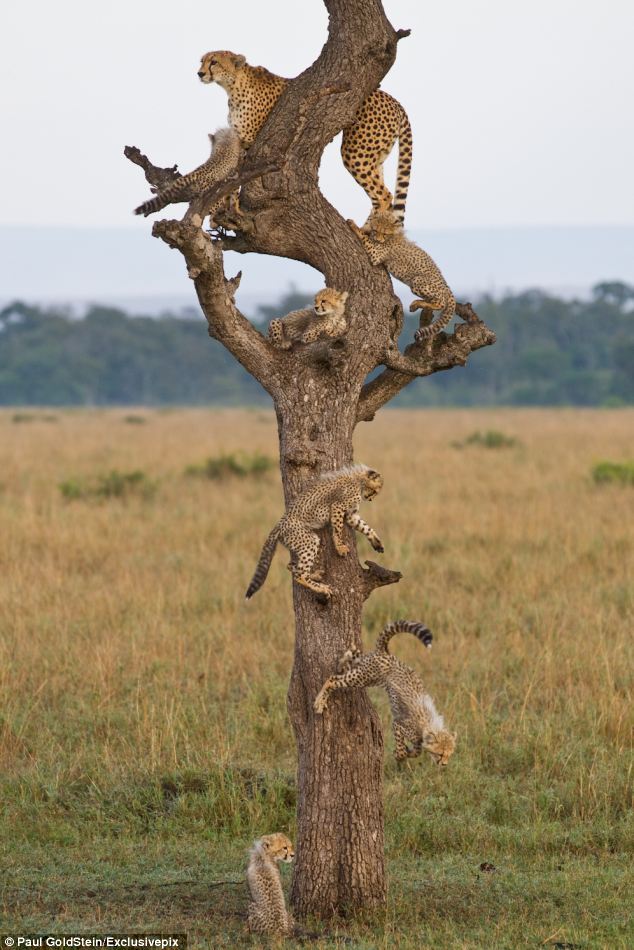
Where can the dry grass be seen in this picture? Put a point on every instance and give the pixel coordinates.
(143, 702)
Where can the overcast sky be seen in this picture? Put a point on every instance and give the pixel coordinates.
(522, 113)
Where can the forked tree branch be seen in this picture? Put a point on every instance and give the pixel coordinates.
(447, 351)
(215, 293)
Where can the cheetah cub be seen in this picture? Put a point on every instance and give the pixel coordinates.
(384, 240)
(305, 326)
(267, 910)
(415, 722)
(223, 162)
(333, 500)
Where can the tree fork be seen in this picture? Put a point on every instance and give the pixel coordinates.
(320, 393)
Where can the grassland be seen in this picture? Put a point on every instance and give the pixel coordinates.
(143, 733)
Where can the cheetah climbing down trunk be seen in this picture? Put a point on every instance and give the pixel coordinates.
(334, 500)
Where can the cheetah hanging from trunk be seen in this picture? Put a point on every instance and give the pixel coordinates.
(384, 240)
(334, 500)
(415, 722)
(367, 142)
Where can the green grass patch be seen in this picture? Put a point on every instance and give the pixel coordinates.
(241, 464)
(613, 473)
(135, 420)
(113, 484)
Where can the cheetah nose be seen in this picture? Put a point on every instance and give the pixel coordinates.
(201, 74)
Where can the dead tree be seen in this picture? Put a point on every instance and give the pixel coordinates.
(320, 393)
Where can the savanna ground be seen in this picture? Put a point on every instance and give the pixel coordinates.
(144, 740)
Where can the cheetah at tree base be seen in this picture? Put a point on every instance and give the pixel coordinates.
(415, 722)
(384, 240)
(334, 500)
(380, 121)
(305, 326)
(223, 162)
(267, 910)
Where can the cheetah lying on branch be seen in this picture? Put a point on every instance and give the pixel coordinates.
(415, 722)
(333, 500)
(267, 910)
(326, 319)
(223, 162)
(380, 121)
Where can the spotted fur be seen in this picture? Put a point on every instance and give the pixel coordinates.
(415, 721)
(326, 319)
(333, 500)
(267, 910)
(367, 142)
(223, 162)
(384, 240)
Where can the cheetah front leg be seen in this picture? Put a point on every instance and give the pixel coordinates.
(356, 521)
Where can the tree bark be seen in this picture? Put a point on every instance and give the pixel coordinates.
(320, 393)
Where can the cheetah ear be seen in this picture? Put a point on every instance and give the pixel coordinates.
(454, 736)
(344, 295)
(265, 844)
(372, 474)
(238, 60)
(212, 137)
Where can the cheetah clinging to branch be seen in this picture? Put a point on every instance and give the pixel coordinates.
(333, 500)
(223, 162)
(380, 121)
(267, 910)
(415, 722)
(384, 240)
(305, 326)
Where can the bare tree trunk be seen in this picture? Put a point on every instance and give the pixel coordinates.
(320, 393)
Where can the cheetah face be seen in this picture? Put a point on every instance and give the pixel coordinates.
(279, 847)
(329, 301)
(372, 485)
(440, 745)
(220, 66)
(382, 226)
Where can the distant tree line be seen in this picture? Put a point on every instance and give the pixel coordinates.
(550, 352)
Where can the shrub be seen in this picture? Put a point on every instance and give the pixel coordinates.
(237, 463)
(491, 439)
(135, 420)
(616, 473)
(113, 484)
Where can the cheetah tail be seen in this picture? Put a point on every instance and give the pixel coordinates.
(419, 630)
(264, 563)
(428, 333)
(149, 207)
(404, 168)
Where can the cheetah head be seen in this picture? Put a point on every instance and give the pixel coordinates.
(382, 226)
(221, 66)
(278, 847)
(329, 301)
(372, 484)
(440, 745)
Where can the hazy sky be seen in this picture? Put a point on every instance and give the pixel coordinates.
(522, 113)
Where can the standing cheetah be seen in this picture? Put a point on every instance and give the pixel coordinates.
(223, 161)
(414, 716)
(267, 910)
(333, 500)
(367, 142)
